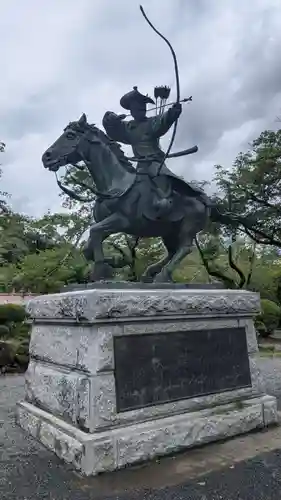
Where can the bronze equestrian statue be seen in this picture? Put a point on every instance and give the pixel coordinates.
(145, 201)
(141, 201)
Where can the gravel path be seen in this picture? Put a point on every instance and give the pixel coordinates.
(28, 471)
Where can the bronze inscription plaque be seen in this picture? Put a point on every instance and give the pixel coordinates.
(151, 369)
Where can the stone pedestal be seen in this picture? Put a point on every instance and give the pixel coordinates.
(121, 376)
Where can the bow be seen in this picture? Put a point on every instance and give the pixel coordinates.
(177, 83)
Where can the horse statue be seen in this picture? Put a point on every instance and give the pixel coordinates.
(129, 202)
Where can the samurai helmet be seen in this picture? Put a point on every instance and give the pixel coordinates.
(134, 95)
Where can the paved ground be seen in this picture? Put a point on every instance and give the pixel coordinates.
(228, 471)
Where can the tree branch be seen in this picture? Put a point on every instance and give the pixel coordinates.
(235, 267)
(273, 157)
(233, 240)
(252, 261)
(83, 184)
(132, 246)
(257, 199)
(267, 240)
(216, 274)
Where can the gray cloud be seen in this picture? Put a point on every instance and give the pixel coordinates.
(64, 58)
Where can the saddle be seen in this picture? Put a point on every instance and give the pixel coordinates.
(161, 202)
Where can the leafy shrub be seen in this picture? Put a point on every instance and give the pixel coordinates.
(7, 356)
(268, 320)
(261, 328)
(12, 313)
(14, 355)
(22, 354)
(15, 332)
(20, 331)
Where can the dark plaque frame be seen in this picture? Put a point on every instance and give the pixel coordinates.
(152, 369)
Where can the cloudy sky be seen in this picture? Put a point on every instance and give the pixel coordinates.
(60, 58)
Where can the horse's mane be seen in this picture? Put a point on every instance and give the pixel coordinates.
(116, 149)
(113, 145)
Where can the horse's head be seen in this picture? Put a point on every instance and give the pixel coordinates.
(105, 160)
(68, 149)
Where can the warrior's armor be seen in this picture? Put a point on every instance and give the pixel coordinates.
(143, 135)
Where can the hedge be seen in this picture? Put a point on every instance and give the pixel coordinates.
(269, 318)
(12, 313)
(15, 335)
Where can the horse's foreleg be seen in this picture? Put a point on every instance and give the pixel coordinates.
(94, 248)
(155, 268)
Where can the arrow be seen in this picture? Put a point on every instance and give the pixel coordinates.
(187, 99)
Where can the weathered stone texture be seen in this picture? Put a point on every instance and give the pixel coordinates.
(91, 305)
(105, 451)
(70, 402)
(62, 393)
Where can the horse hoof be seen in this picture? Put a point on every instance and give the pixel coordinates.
(101, 272)
(163, 277)
(146, 279)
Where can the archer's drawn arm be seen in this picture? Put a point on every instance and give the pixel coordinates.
(161, 124)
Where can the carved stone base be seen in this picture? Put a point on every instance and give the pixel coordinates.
(118, 376)
(113, 449)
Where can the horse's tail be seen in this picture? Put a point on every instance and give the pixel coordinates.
(215, 214)
(228, 218)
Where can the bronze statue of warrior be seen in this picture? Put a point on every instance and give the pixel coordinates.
(142, 202)
(143, 134)
(125, 197)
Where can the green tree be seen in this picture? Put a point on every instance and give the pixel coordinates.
(22, 235)
(3, 195)
(78, 192)
(46, 271)
(254, 184)
(26, 240)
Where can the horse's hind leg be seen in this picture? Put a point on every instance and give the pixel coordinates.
(184, 248)
(186, 235)
(93, 250)
(171, 244)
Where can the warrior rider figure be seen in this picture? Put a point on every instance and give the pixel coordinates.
(143, 134)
